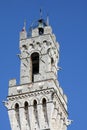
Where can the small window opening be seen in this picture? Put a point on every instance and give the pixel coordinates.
(36, 112)
(45, 109)
(17, 110)
(25, 47)
(16, 107)
(52, 96)
(27, 114)
(35, 64)
(26, 105)
(35, 104)
(52, 60)
(26, 109)
(40, 27)
(41, 31)
(44, 104)
(35, 108)
(17, 113)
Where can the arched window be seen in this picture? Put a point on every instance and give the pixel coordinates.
(44, 105)
(26, 105)
(26, 109)
(52, 61)
(35, 64)
(52, 96)
(40, 27)
(35, 105)
(35, 112)
(17, 110)
(17, 113)
(27, 114)
(35, 108)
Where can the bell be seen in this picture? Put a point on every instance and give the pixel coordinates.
(40, 25)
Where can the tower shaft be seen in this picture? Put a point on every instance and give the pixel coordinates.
(38, 102)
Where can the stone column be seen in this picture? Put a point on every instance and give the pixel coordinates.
(49, 113)
(28, 120)
(54, 118)
(58, 121)
(31, 117)
(61, 124)
(39, 108)
(42, 121)
(23, 121)
(13, 120)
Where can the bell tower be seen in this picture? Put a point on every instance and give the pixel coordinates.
(38, 102)
(39, 54)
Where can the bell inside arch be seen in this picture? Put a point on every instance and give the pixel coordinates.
(41, 27)
(40, 23)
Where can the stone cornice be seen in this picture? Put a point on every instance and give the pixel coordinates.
(30, 94)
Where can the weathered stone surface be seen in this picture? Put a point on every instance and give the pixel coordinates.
(38, 102)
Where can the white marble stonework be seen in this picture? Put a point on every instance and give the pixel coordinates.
(38, 102)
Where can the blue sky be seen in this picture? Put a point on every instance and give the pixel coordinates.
(68, 19)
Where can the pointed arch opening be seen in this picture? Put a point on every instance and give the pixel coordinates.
(35, 105)
(17, 110)
(52, 61)
(17, 113)
(44, 105)
(26, 109)
(26, 105)
(35, 109)
(35, 64)
(17, 107)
